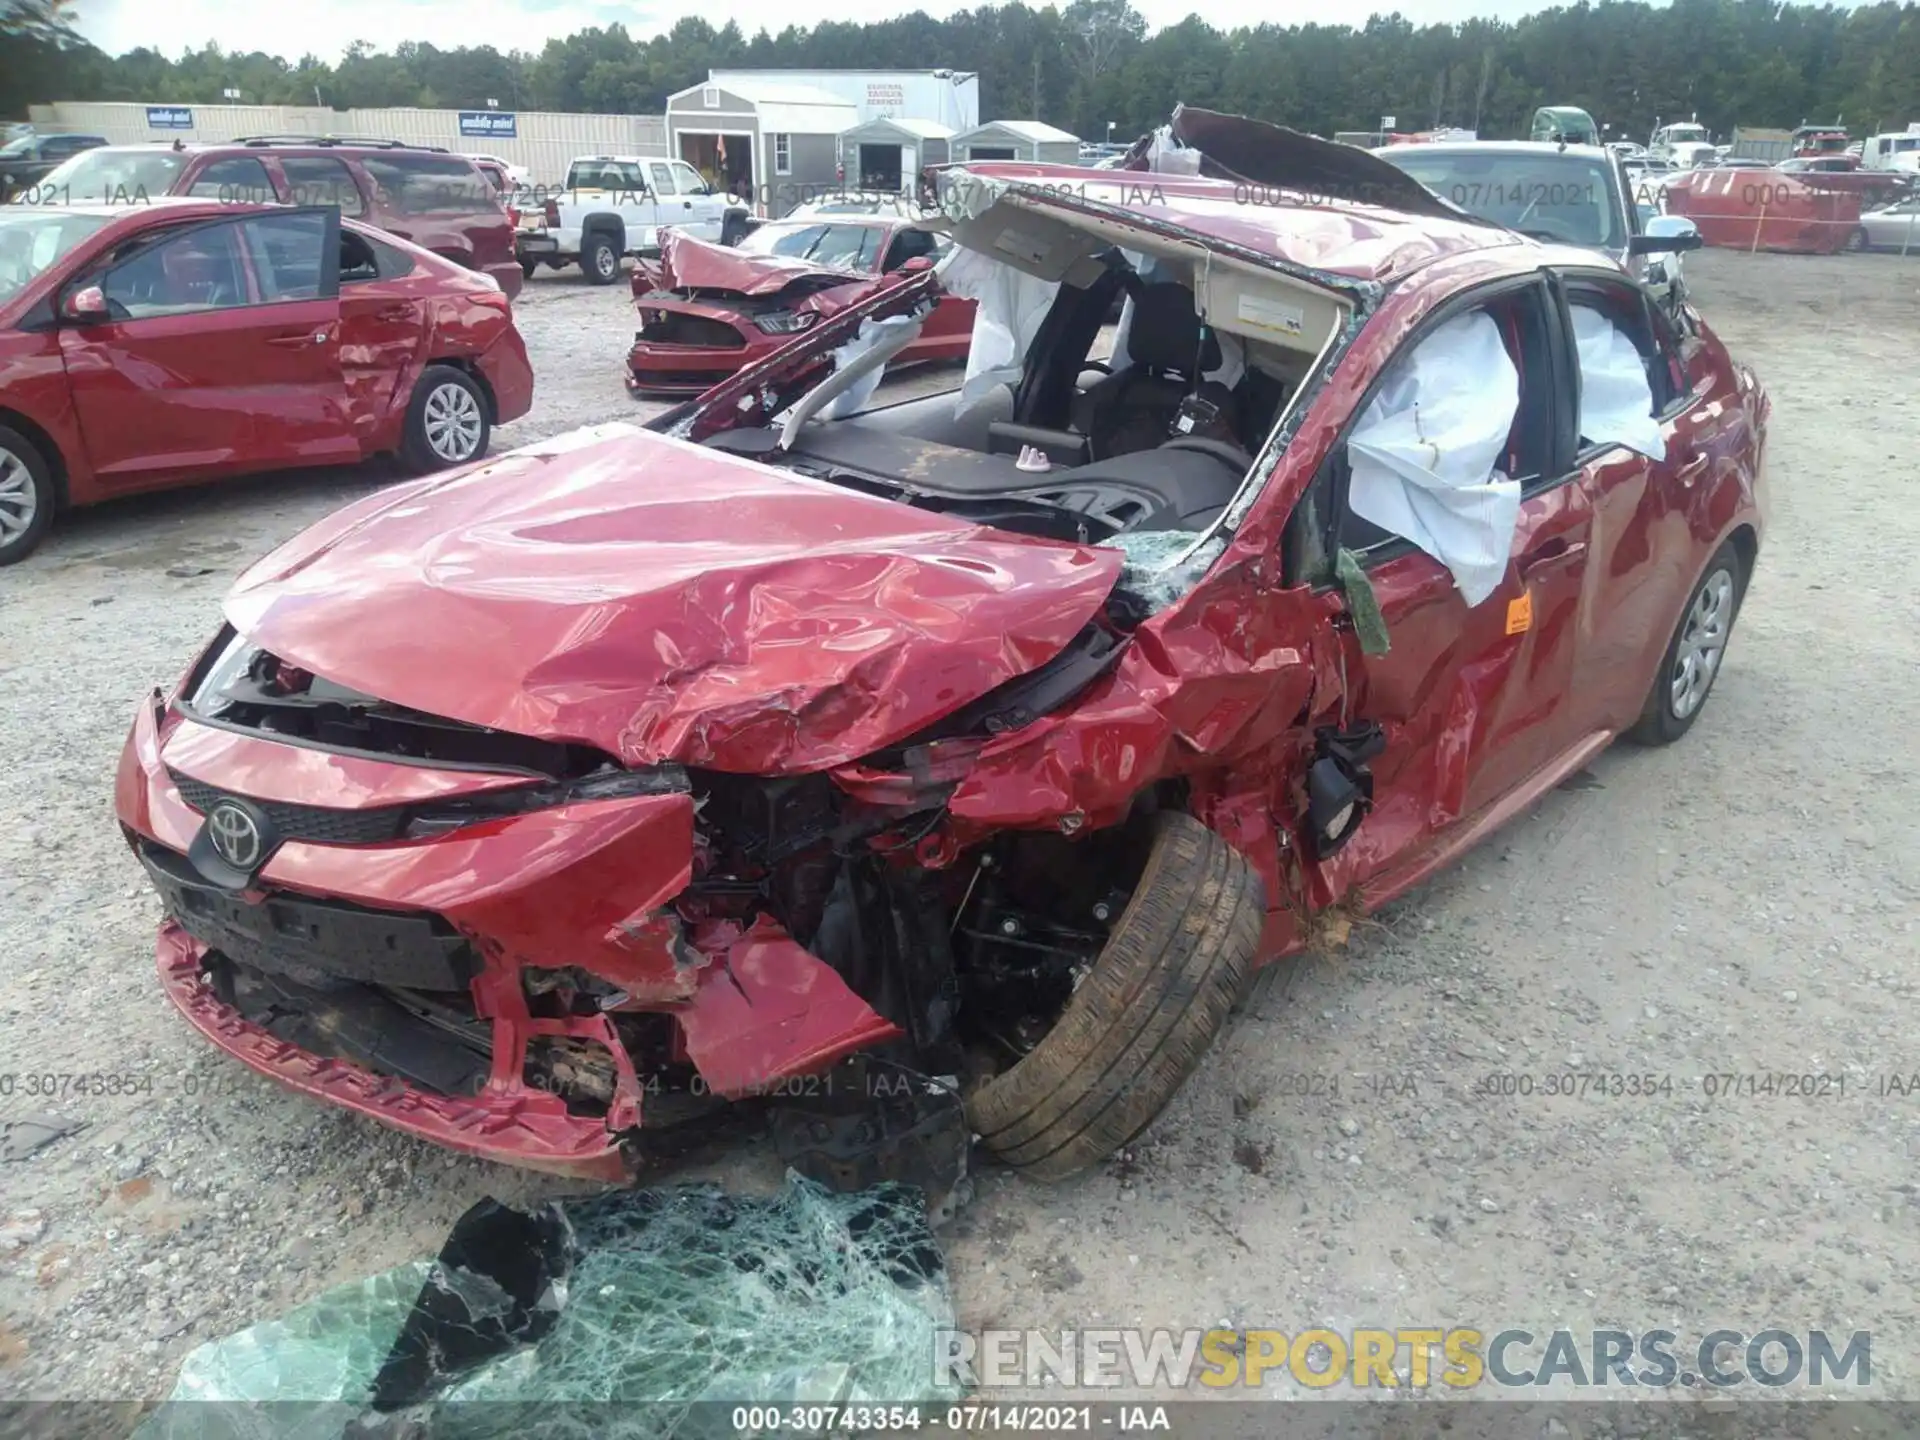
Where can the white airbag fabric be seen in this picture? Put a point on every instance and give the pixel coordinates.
(1010, 306)
(1616, 402)
(896, 332)
(1423, 457)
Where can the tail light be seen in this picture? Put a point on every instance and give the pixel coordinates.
(553, 214)
(513, 216)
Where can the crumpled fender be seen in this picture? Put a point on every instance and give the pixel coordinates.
(690, 263)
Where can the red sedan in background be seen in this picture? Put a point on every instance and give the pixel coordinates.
(707, 309)
(161, 344)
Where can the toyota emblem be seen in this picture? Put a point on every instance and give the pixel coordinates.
(235, 835)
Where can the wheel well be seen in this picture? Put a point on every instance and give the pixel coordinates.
(611, 226)
(1746, 545)
(43, 442)
(472, 371)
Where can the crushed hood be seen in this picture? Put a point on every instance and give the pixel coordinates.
(664, 602)
(689, 263)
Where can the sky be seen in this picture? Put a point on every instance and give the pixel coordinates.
(328, 27)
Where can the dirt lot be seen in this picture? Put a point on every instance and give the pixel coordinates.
(1747, 901)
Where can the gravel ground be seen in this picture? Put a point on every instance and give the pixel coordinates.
(1744, 901)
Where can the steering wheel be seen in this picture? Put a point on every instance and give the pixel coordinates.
(1224, 451)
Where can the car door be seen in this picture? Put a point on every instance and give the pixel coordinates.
(220, 353)
(1471, 700)
(1641, 562)
(383, 328)
(1896, 228)
(709, 210)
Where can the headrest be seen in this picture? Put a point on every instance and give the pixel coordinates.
(1165, 333)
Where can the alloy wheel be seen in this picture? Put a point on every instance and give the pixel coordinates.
(19, 497)
(453, 422)
(1702, 643)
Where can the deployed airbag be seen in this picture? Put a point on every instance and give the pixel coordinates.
(1423, 456)
(1010, 308)
(1616, 400)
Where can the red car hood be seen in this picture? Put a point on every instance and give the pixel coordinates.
(660, 601)
(689, 263)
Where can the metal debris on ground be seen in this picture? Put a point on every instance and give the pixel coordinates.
(646, 1313)
(32, 1133)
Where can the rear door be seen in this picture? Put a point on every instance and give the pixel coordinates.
(1641, 566)
(383, 329)
(221, 354)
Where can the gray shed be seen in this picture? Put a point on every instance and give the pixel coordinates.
(776, 144)
(888, 154)
(1017, 140)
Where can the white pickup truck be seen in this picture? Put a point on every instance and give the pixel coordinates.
(614, 205)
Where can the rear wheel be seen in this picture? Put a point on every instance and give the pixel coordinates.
(600, 259)
(26, 496)
(1692, 661)
(1858, 239)
(527, 267)
(1137, 1025)
(447, 421)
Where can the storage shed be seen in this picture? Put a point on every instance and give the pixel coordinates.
(886, 155)
(776, 145)
(1017, 140)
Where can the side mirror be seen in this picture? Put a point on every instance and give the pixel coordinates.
(914, 264)
(85, 306)
(1664, 244)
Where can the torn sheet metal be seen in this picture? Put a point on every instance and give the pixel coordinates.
(689, 263)
(1616, 400)
(660, 600)
(1011, 306)
(1424, 457)
(628, 1314)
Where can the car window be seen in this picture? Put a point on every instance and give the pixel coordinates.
(32, 239)
(689, 178)
(321, 180)
(1547, 195)
(605, 175)
(843, 247)
(662, 174)
(286, 251)
(1452, 388)
(116, 176)
(367, 257)
(426, 184)
(233, 179)
(198, 270)
(14, 149)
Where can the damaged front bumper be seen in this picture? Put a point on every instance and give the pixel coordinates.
(517, 987)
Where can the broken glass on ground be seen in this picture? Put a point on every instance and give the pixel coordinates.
(647, 1313)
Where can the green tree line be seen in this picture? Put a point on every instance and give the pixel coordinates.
(1730, 62)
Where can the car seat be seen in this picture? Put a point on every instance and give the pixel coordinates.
(1170, 351)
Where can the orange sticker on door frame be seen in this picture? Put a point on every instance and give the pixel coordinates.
(1520, 613)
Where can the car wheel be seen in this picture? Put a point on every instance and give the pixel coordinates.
(1137, 1025)
(601, 260)
(1694, 655)
(446, 421)
(26, 496)
(1858, 239)
(527, 267)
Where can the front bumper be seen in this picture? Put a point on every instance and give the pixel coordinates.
(655, 369)
(472, 916)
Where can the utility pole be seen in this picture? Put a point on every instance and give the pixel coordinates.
(1036, 87)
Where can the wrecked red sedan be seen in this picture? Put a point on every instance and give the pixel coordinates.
(823, 751)
(706, 309)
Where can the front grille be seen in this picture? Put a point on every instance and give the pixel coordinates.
(311, 940)
(316, 824)
(671, 327)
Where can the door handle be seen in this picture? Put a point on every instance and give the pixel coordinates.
(395, 312)
(294, 342)
(1550, 552)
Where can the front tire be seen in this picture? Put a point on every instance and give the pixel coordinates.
(1694, 655)
(600, 260)
(1136, 1027)
(447, 421)
(27, 496)
(1857, 242)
